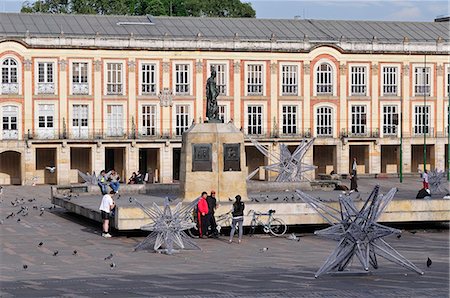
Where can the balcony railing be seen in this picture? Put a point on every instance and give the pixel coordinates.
(80, 88)
(358, 90)
(389, 90)
(419, 131)
(365, 134)
(10, 88)
(46, 88)
(422, 90)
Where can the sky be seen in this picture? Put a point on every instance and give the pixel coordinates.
(377, 10)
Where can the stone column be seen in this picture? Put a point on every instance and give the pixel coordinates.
(406, 155)
(200, 91)
(30, 162)
(98, 154)
(98, 94)
(132, 92)
(131, 160)
(237, 93)
(273, 100)
(440, 106)
(274, 149)
(439, 154)
(375, 158)
(165, 113)
(62, 117)
(407, 119)
(28, 96)
(166, 162)
(343, 124)
(307, 110)
(63, 165)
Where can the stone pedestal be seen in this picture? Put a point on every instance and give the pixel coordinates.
(213, 158)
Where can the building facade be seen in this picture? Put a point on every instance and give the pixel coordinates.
(100, 92)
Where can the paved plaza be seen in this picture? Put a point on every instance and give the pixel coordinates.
(285, 269)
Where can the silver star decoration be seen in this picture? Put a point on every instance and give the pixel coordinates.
(357, 232)
(289, 166)
(91, 179)
(437, 181)
(167, 227)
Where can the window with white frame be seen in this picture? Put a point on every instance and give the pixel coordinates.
(46, 84)
(255, 79)
(148, 120)
(289, 79)
(221, 78)
(80, 83)
(114, 118)
(358, 80)
(448, 81)
(422, 80)
(148, 78)
(254, 119)
(10, 83)
(324, 79)
(359, 120)
(181, 119)
(80, 125)
(46, 115)
(421, 120)
(324, 121)
(289, 116)
(114, 84)
(390, 78)
(390, 120)
(182, 79)
(10, 115)
(223, 113)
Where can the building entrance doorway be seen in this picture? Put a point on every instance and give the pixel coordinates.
(255, 160)
(361, 152)
(10, 168)
(149, 163)
(45, 161)
(324, 158)
(176, 164)
(80, 159)
(390, 159)
(417, 158)
(115, 159)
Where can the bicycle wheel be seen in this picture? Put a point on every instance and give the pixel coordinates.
(192, 232)
(277, 227)
(252, 228)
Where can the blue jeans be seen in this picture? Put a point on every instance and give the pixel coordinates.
(103, 188)
(114, 186)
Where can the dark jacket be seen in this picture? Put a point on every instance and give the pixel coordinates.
(238, 209)
(212, 203)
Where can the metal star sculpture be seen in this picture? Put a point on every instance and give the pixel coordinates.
(357, 232)
(437, 181)
(167, 227)
(91, 179)
(289, 166)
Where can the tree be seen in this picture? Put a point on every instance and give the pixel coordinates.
(196, 8)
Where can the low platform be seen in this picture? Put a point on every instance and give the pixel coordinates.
(292, 211)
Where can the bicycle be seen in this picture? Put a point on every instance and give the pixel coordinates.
(223, 220)
(275, 226)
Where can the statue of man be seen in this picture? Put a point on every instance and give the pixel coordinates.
(212, 109)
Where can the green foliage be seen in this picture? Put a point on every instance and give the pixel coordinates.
(196, 8)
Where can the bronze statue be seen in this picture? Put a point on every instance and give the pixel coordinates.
(212, 109)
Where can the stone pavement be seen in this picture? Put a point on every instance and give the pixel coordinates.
(286, 269)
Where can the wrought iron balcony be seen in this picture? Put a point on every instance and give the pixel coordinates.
(422, 90)
(80, 88)
(46, 88)
(418, 131)
(360, 134)
(10, 88)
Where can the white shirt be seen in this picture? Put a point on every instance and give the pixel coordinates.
(106, 204)
(354, 166)
(425, 177)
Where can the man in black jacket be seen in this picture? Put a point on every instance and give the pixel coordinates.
(212, 206)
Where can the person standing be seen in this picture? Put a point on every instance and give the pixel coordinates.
(212, 206)
(106, 206)
(425, 180)
(202, 215)
(238, 218)
(114, 181)
(103, 182)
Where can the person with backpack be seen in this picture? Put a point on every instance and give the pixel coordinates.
(202, 215)
(238, 218)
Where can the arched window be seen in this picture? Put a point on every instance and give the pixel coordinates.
(9, 76)
(324, 79)
(324, 121)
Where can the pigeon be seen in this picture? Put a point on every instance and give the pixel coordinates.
(109, 257)
(35, 207)
(31, 200)
(40, 244)
(429, 262)
(229, 199)
(275, 199)
(51, 169)
(25, 266)
(75, 252)
(399, 236)
(10, 215)
(18, 219)
(131, 200)
(112, 265)
(256, 200)
(293, 237)
(42, 213)
(55, 253)
(264, 249)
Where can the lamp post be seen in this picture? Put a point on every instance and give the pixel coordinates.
(425, 127)
(448, 126)
(401, 140)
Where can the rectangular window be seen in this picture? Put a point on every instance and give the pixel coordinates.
(80, 78)
(324, 121)
(80, 121)
(359, 120)
(255, 79)
(358, 80)
(289, 80)
(421, 120)
(182, 79)
(45, 70)
(390, 120)
(221, 78)
(45, 118)
(255, 120)
(9, 122)
(182, 119)
(223, 113)
(390, 80)
(114, 78)
(422, 80)
(149, 120)
(324, 79)
(148, 79)
(289, 120)
(114, 116)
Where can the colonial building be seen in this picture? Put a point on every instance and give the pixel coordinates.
(87, 92)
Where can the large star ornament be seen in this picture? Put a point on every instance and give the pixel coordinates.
(167, 227)
(357, 232)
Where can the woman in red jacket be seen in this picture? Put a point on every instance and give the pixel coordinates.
(202, 209)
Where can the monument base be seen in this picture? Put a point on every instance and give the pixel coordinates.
(213, 158)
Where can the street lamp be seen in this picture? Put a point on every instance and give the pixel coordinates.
(425, 127)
